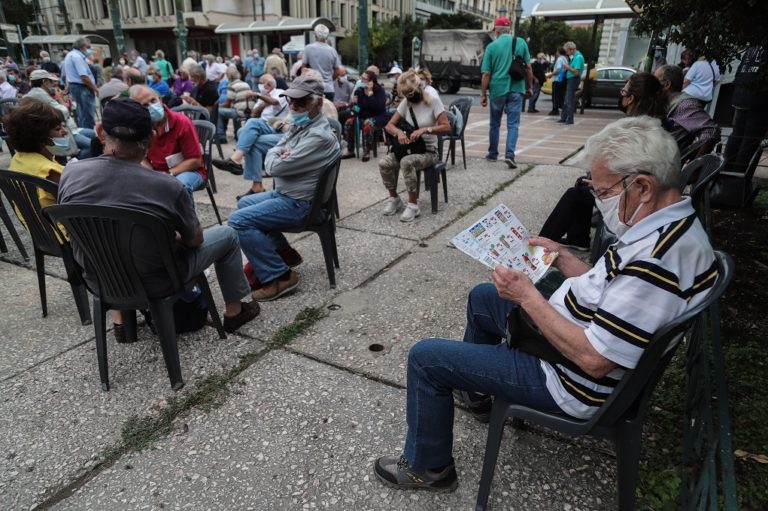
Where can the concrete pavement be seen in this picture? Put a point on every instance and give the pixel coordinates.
(291, 411)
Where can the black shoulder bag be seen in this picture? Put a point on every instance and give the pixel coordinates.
(417, 147)
(517, 68)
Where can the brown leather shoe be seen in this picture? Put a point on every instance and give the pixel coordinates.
(277, 288)
(290, 256)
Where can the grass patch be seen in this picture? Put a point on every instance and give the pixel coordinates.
(744, 324)
(303, 322)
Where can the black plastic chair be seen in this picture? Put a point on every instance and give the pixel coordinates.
(735, 189)
(206, 131)
(105, 235)
(21, 190)
(199, 113)
(700, 175)
(5, 104)
(620, 419)
(464, 105)
(5, 217)
(321, 218)
(432, 175)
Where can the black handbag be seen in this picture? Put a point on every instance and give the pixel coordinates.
(419, 146)
(517, 68)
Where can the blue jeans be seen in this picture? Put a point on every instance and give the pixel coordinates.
(571, 86)
(225, 114)
(86, 104)
(479, 364)
(534, 97)
(511, 104)
(258, 221)
(83, 141)
(221, 248)
(255, 139)
(192, 180)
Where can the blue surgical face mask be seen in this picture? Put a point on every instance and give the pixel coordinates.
(11, 78)
(46, 59)
(156, 111)
(300, 119)
(88, 52)
(60, 146)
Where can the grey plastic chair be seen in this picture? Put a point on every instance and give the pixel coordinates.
(206, 132)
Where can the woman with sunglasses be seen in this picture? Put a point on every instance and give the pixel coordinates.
(369, 103)
(431, 119)
(570, 222)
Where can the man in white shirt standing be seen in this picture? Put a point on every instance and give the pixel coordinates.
(82, 84)
(260, 133)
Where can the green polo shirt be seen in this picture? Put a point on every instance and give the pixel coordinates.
(577, 62)
(497, 59)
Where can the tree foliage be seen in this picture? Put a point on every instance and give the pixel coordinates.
(547, 36)
(458, 20)
(383, 39)
(720, 29)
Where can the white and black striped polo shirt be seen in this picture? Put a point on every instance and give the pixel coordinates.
(660, 268)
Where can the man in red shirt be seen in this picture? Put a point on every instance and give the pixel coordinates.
(175, 147)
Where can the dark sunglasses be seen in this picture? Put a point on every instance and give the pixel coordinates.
(299, 102)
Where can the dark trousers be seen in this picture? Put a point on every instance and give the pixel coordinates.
(558, 96)
(749, 129)
(569, 106)
(572, 216)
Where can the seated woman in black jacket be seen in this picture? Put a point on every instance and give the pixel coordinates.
(369, 104)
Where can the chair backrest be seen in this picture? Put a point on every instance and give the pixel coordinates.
(324, 194)
(205, 132)
(683, 137)
(464, 105)
(194, 112)
(630, 397)
(105, 235)
(21, 190)
(5, 105)
(700, 174)
(687, 154)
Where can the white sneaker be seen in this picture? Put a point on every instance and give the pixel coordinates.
(411, 212)
(391, 205)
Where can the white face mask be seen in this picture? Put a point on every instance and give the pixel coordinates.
(609, 208)
(261, 88)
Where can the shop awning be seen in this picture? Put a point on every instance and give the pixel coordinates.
(284, 25)
(583, 10)
(61, 39)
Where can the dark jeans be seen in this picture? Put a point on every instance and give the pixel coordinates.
(749, 128)
(479, 364)
(558, 96)
(572, 216)
(536, 88)
(571, 86)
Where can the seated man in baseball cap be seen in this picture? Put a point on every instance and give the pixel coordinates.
(295, 163)
(117, 179)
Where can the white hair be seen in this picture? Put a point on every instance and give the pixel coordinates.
(269, 80)
(322, 32)
(570, 45)
(634, 145)
(232, 74)
(502, 29)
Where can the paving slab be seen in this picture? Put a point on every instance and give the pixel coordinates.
(57, 422)
(424, 295)
(361, 256)
(301, 435)
(27, 337)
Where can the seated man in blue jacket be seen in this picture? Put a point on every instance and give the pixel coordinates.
(295, 163)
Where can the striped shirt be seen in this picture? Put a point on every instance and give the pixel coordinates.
(657, 270)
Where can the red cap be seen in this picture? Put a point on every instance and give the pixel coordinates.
(502, 22)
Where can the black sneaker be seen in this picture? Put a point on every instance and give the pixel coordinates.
(479, 405)
(510, 163)
(580, 246)
(248, 311)
(395, 473)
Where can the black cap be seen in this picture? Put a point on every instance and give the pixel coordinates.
(126, 119)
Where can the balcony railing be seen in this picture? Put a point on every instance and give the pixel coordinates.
(477, 12)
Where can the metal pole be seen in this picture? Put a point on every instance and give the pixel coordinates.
(181, 29)
(362, 36)
(65, 14)
(114, 13)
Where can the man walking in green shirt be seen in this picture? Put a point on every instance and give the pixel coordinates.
(575, 67)
(507, 95)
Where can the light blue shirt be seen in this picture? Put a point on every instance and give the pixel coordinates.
(75, 67)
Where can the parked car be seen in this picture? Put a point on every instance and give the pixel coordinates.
(605, 84)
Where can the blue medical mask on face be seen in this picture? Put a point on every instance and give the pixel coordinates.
(11, 78)
(46, 59)
(300, 119)
(60, 146)
(88, 52)
(156, 111)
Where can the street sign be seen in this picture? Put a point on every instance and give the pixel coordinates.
(12, 37)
